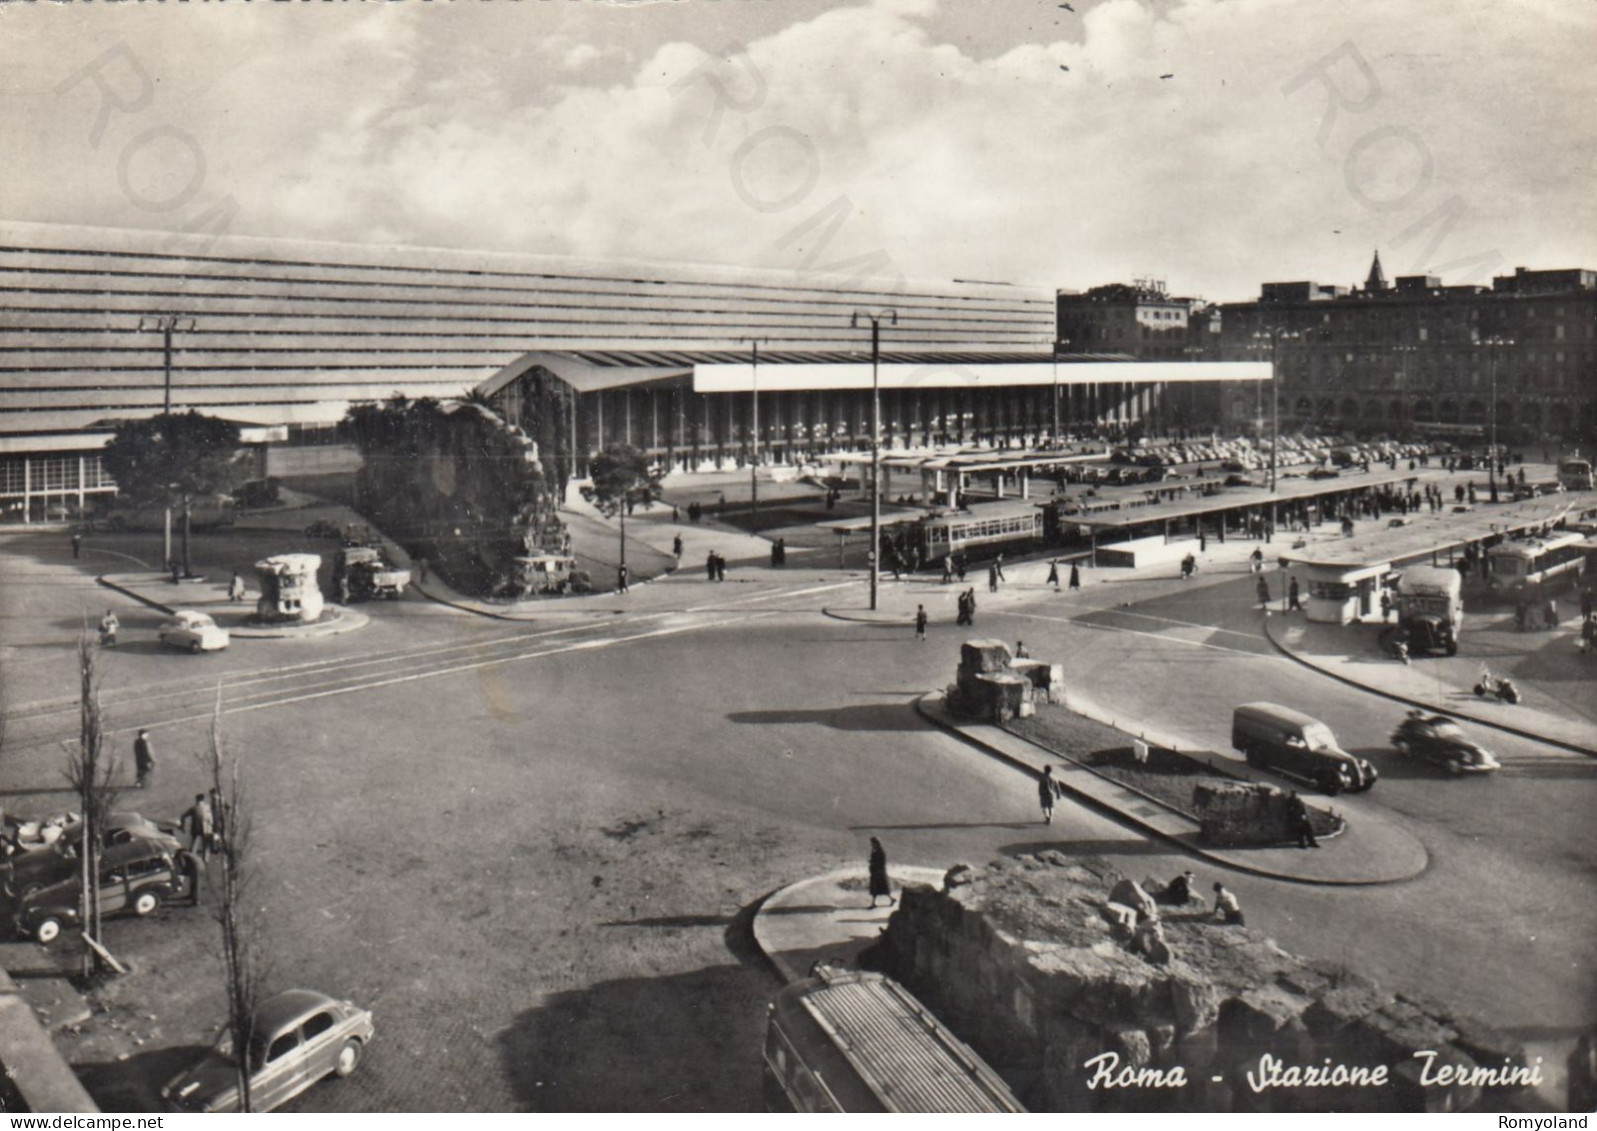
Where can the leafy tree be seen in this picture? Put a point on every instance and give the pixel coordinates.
(166, 458)
(622, 479)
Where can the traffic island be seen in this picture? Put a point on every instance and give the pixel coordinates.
(1084, 1002)
(239, 618)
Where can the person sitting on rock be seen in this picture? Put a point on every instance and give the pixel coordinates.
(1226, 907)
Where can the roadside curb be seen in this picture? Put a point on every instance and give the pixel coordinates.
(348, 620)
(1495, 724)
(929, 706)
(794, 903)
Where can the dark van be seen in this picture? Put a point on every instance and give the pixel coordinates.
(1293, 745)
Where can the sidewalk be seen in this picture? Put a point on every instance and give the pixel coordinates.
(1353, 654)
(828, 917)
(1374, 849)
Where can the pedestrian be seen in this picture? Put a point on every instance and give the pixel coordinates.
(176, 571)
(219, 820)
(1047, 793)
(1180, 890)
(1264, 591)
(1075, 576)
(920, 623)
(992, 578)
(235, 589)
(421, 568)
(970, 606)
(1386, 606)
(1301, 827)
(781, 551)
(143, 760)
(959, 566)
(720, 567)
(948, 568)
(1588, 636)
(998, 565)
(878, 872)
(1020, 650)
(1226, 907)
(109, 627)
(676, 515)
(1256, 560)
(77, 544)
(1585, 603)
(1053, 574)
(1550, 612)
(343, 589)
(621, 578)
(709, 566)
(1203, 542)
(196, 821)
(1292, 596)
(676, 545)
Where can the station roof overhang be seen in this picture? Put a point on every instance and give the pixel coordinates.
(733, 371)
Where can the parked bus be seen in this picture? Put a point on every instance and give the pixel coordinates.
(1430, 607)
(1533, 563)
(1574, 474)
(987, 526)
(846, 1040)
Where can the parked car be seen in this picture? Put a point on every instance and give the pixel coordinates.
(194, 632)
(134, 878)
(300, 1037)
(1439, 740)
(1273, 737)
(1239, 481)
(33, 868)
(1325, 473)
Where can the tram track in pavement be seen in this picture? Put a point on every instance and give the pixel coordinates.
(175, 703)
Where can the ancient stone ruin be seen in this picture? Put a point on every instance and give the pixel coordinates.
(1087, 1003)
(992, 685)
(1236, 814)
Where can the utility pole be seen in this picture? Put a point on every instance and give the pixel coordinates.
(876, 438)
(754, 429)
(167, 325)
(1493, 344)
(1275, 336)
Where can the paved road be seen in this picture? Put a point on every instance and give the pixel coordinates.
(532, 849)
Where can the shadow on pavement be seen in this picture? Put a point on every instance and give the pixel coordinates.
(1091, 848)
(873, 717)
(135, 1084)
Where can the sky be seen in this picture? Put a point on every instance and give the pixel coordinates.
(1212, 144)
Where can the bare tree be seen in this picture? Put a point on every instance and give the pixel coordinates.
(90, 771)
(241, 921)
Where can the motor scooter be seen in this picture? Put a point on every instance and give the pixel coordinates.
(1489, 686)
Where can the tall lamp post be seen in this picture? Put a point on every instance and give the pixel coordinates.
(1275, 336)
(754, 428)
(166, 325)
(876, 437)
(1493, 343)
(1059, 344)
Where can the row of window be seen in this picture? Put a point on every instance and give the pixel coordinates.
(38, 474)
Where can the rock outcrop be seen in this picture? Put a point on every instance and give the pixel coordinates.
(1083, 1010)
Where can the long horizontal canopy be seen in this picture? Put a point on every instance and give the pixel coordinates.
(742, 378)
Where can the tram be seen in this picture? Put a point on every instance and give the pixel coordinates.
(985, 527)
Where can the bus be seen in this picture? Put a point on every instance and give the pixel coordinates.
(986, 526)
(1574, 474)
(851, 1040)
(1534, 563)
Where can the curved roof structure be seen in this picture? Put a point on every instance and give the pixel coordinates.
(275, 332)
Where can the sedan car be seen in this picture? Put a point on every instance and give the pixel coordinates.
(1437, 739)
(300, 1037)
(134, 878)
(196, 632)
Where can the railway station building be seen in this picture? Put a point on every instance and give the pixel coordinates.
(281, 337)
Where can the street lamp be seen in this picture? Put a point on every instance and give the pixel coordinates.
(166, 324)
(1493, 343)
(876, 436)
(1275, 336)
(1058, 345)
(754, 429)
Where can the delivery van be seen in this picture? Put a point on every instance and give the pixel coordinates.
(1290, 743)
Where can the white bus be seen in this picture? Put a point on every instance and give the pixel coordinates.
(1574, 474)
(1534, 563)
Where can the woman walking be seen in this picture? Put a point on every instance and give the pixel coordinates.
(878, 869)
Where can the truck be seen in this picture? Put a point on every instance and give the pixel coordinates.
(368, 574)
(1430, 608)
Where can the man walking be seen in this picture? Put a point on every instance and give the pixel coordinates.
(992, 578)
(998, 567)
(196, 821)
(1047, 791)
(709, 566)
(920, 623)
(948, 568)
(77, 544)
(1292, 596)
(1264, 592)
(143, 760)
(1297, 815)
(621, 577)
(676, 548)
(1053, 574)
(108, 629)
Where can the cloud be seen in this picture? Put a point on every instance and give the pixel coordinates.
(945, 156)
